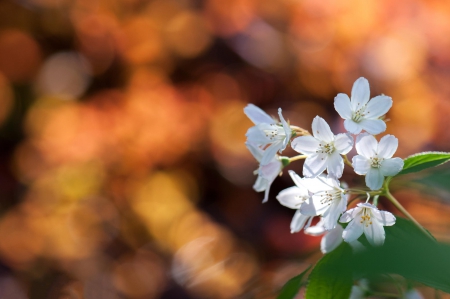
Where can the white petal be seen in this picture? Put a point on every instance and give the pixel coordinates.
(391, 167)
(374, 178)
(330, 220)
(287, 129)
(361, 164)
(335, 165)
(332, 239)
(256, 136)
(387, 146)
(255, 151)
(260, 184)
(306, 145)
(316, 230)
(271, 170)
(385, 218)
(373, 126)
(270, 152)
(366, 145)
(357, 246)
(298, 222)
(299, 182)
(257, 115)
(321, 130)
(291, 197)
(378, 106)
(357, 293)
(349, 215)
(342, 106)
(353, 231)
(360, 93)
(266, 192)
(374, 233)
(412, 294)
(343, 143)
(318, 184)
(352, 127)
(313, 207)
(314, 165)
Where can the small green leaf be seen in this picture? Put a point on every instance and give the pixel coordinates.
(331, 278)
(423, 161)
(291, 288)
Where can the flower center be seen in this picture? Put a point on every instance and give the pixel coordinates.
(302, 199)
(376, 162)
(275, 132)
(359, 114)
(327, 148)
(365, 218)
(328, 196)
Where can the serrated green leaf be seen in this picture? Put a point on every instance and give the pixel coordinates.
(423, 161)
(291, 288)
(331, 278)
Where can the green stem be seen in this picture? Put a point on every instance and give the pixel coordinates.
(299, 157)
(346, 161)
(405, 212)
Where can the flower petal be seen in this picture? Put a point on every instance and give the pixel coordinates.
(316, 230)
(366, 145)
(287, 129)
(373, 126)
(321, 130)
(391, 167)
(271, 170)
(255, 151)
(299, 182)
(318, 184)
(374, 233)
(378, 106)
(353, 231)
(330, 220)
(331, 240)
(313, 207)
(387, 146)
(360, 93)
(343, 106)
(270, 152)
(260, 184)
(349, 215)
(374, 178)
(298, 222)
(257, 115)
(343, 143)
(361, 164)
(335, 165)
(306, 145)
(352, 127)
(385, 218)
(291, 197)
(314, 165)
(256, 136)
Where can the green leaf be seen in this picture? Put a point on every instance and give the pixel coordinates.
(291, 288)
(408, 252)
(423, 161)
(331, 277)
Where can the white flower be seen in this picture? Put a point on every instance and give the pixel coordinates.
(360, 113)
(328, 200)
(331, 239)
(375, 159)
(267, 132)
(367, 219)
(323, 150)
(293, 198)
(266, 173)
(412, 294)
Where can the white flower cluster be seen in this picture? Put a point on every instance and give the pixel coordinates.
(320, 194)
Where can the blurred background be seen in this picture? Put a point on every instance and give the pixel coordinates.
(123, 170)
